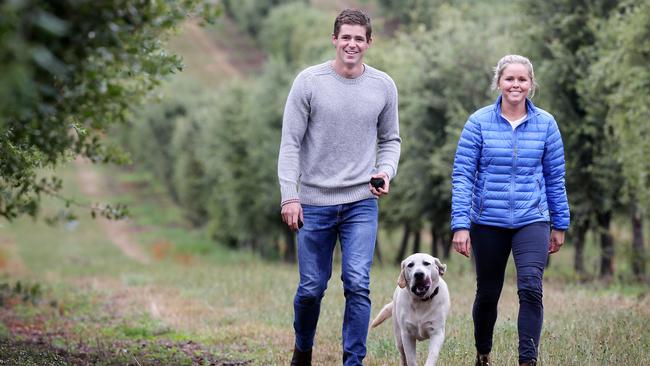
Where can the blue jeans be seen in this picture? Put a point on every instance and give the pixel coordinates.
(355, 225)
(491, 247)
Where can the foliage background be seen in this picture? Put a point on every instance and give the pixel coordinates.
(441, 54)
(103, 80)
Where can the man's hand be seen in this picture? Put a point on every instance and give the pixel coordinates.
(291, 213)
(462, 242)
(557, 239)
(381, 191)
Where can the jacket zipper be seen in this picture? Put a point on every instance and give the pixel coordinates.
(512, 177)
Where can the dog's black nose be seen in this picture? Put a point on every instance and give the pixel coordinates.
(418, 275)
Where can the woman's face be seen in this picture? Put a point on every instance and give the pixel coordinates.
(515, 83)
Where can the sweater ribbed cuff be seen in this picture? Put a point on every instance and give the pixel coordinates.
(293, 200)
(288, 193)
(386, 169)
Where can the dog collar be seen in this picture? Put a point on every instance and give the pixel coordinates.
(435, 292)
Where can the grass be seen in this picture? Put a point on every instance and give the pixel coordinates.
(98, 303)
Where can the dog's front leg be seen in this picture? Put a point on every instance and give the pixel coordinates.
(436, 338)
(408, 344)
(400, 348)
(402, 357)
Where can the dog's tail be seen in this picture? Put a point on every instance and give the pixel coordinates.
(384, 314)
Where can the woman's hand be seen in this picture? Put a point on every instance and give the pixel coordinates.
(462, 242)
(557, 239)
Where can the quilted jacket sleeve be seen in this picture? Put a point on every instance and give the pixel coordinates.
(553, 168)
(465, 164)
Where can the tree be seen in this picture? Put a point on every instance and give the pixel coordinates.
(224, 151)
(151, 132)
(297, 34)
(559, 39)
(162, 140)
(620, 76)
(249, 14)
(411, 14)
(188, 170)
(71, 68)
(239, 147)
(264, 129)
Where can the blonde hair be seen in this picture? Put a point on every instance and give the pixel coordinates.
(514, 59)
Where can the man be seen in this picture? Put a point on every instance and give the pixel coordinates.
(340, 129)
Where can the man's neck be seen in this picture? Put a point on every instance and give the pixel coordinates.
(346, 71)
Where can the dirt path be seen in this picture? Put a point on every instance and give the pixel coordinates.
(164, 304)
(118, 231)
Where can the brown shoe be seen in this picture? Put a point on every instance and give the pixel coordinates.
(529, 363)
(482, 360)
(301, 358)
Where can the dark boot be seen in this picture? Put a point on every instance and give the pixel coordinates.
(529, 363)
(482, 360)
(301, 358)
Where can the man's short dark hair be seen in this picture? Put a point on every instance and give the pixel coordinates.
(353, 17)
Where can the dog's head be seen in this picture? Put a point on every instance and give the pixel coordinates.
(420, 273)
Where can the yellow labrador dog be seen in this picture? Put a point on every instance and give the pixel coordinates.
(419, 308)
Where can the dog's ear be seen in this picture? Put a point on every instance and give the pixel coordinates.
(441, 266)
(401, 280)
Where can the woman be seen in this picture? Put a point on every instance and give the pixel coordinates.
(509, 195)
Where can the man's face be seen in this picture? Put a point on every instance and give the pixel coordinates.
(351, 44)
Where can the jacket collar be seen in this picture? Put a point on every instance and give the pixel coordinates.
(530, 107)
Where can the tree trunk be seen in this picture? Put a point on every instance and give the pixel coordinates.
(434, 240)
(446, 244)
(290, 240)
(403, 245)
(255, 244)
(248, 243)
(638, 248)
(606, 246)
(416, 241)
(378, 251)
(578, 256)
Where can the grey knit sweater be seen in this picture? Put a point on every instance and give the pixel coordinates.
(336, 133)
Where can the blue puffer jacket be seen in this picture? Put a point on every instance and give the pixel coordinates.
(509, 178)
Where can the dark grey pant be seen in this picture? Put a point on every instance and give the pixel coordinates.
(491, 247)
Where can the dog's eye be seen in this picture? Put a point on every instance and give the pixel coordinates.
(426, 263)
(410, 265)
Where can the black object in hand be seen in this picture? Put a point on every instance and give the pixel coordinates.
(300, 224)
(377, 182)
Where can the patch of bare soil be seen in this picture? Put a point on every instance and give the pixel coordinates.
(166, 305)
(50, 339)
(38, 350)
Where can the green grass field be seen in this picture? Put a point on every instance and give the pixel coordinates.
(187, 301)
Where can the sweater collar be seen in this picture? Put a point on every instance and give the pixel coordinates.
(345, 80)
